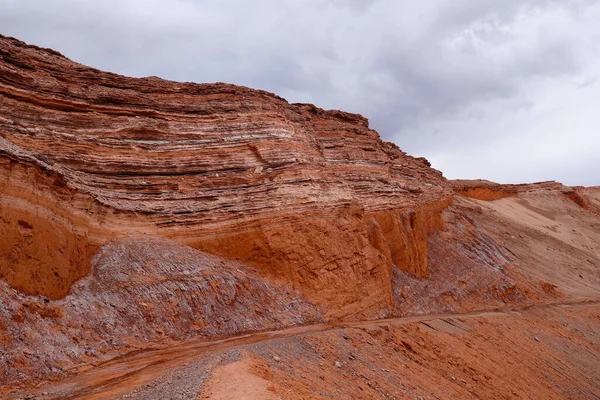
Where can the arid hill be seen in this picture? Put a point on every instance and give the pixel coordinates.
(180, 240)
(311, 196)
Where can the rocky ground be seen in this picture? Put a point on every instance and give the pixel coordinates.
(539, 352)
(512, 312)
(165, 240)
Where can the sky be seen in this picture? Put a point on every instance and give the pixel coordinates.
(505, 90)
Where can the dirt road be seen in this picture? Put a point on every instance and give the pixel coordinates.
(123, 374)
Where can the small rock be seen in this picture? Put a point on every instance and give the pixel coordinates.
(536, 339)
(276, 358)
(338, 364)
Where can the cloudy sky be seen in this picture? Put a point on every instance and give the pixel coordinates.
(506, 90)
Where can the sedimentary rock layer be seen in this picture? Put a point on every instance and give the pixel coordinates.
(312, 196)
(485, 190)
(143, 291)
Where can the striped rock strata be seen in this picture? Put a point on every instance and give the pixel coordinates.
(587, 198)
(307, 196)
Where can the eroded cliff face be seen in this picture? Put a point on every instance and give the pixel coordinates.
(142, 291)
(306, 195)
(296, 216)
(480, 189)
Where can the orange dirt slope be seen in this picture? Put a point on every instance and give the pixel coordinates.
(178, 240)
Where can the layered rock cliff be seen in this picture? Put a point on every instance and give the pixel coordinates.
(308, 196)
(298, 216)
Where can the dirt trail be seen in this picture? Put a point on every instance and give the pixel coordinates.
(123, 374)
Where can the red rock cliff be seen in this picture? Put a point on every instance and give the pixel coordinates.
(309, 196)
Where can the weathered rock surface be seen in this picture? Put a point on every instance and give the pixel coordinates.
(106, 182)
(311, 196)
(533, 247)
(485, 190)
(143, 291)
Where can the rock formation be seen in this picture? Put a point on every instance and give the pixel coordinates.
(142, 291)
(153, 232)
(306, 195)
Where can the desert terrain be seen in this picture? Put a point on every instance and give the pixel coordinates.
(168, 240)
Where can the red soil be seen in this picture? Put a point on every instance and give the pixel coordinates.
(144, 222)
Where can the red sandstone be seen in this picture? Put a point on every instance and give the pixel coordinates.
(311, 222)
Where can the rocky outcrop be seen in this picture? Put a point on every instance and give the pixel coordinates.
(139, 213)
(480, 189)
(310, 196)
(143, 291)
(587, 198)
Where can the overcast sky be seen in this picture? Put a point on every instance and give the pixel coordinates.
(504, 90)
